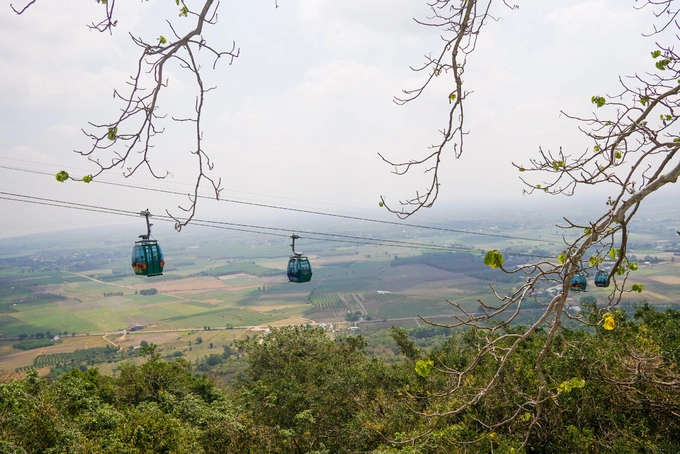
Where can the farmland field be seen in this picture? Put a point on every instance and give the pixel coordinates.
(218, 288)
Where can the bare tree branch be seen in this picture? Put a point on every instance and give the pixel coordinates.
(635, 153)
(127, 142)
(460, 23)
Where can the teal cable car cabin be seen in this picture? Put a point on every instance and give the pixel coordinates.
(147, 258)
(601, 278)
(578, 283)
(147, 255)
(299, 269)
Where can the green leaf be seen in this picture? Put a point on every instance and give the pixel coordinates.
(599, 101)
(452, 97)
(87, 178)
(637, 288)
(613, 253)
(562, 257)
(644, 100)
(595, 260)
(656, 54)
(494, 259)
(557, 165)
(633, 266)
(162, 39)
(184, 12)
(618, 155)
(525, 417)
(522, 169)
(676, 139)
(662, 64)
(113, 133)
(62, 176)
(567, 386)
(596, 149)
(424, 367)
(588, 231)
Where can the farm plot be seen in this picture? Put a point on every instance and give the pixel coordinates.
(186, 286)
(335, 316)
(402, 277)
(332, 307)
(327, 301)
(88, 356)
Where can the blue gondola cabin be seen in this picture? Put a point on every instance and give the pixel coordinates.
(147, 258)
(578, 283)
(299, 269)
(601, 279)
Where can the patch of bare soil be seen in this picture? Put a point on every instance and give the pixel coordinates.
(189, 285)
(252, 281)
(227, 277)
(275, 307)
(136, 337)
(668, 280)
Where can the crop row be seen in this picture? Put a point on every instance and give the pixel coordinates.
(379, 297)
(327, 301)
(88, 355)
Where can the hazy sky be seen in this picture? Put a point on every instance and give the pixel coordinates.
(299, 118)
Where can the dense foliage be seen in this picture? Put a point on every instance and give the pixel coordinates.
(30, 344)
(613, 390)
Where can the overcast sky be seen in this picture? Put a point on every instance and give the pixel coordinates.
(299, 118)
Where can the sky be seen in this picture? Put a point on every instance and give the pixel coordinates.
(298, 119)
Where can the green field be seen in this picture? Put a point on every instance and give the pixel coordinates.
(86, 288)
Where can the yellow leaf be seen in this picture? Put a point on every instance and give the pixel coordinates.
(609, 322)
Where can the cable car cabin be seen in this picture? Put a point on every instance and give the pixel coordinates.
(147, 258)
(578, 283)
(601, 279)
(299, 269)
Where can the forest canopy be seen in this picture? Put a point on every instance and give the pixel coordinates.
(614, 391)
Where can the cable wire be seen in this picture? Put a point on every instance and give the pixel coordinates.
(249, 228)
(297, 210)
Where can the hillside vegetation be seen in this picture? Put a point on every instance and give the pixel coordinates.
(613, 390)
